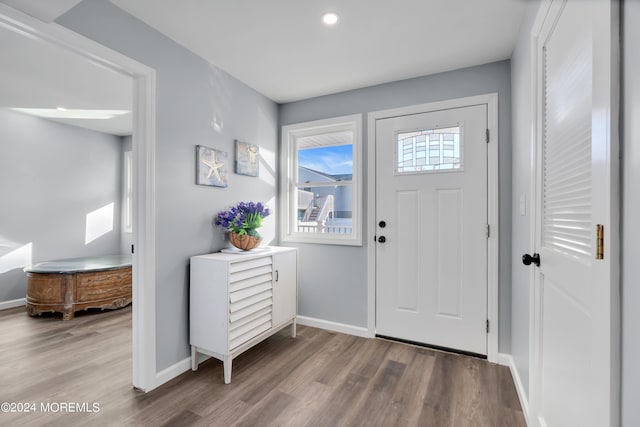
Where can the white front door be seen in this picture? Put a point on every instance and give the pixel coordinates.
(431, 227)
(574, 353)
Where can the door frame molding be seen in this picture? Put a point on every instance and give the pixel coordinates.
(493, 286)
(144, 376)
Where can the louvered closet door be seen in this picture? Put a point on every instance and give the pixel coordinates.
(571, 378)
(250, 299)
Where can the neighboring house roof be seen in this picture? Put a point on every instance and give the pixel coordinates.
(339, 177)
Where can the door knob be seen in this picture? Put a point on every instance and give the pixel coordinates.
(529, 259)
(382, 239)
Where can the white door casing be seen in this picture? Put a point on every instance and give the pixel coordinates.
(431, 269)
(574, 348)
(145, 376)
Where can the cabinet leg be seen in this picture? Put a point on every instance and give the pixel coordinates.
(194, 358)
(227, 369)
(293, 329)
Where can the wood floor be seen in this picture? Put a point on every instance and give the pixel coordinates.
(320, 378)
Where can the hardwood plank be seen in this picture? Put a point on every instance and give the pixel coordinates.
(378, 396)
(267, 410)
(342, 400)
(182, 419)
(406, 404)
(320, 378)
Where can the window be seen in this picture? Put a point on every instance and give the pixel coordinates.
(321, 181)
(127, 193)
(428, 150)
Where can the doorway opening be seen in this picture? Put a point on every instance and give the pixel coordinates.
(143, 143)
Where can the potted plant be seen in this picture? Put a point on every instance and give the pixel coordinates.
(242, 222)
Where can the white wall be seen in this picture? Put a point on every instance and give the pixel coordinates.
(51, 176)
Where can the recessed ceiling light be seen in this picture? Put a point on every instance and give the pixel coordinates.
(57, 113)
(330, 18)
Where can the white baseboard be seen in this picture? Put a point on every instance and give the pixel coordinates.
(177, 369)
(334, 326)
(173, 371)
(507, 360)
(20, 302)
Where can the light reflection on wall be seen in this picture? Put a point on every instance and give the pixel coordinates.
(268, 229)
(99, 223)
(17, 258)
(268, 166)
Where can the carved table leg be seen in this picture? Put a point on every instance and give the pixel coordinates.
(69, 285)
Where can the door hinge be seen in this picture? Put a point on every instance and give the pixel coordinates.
(599, 241)
(487, 325)
(488, 231)
(487, 136)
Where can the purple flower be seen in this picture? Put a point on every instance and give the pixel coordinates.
(243, 218)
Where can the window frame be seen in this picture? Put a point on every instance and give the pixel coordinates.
(289, 180)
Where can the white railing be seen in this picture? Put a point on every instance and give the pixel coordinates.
(320, 227)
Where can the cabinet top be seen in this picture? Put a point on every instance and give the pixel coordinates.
(245, 255)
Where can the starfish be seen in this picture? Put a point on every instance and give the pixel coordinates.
(253, 153)
(213, 166)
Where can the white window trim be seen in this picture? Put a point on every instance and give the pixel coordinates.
(289, 172)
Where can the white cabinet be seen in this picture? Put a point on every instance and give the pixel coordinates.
(238, 300)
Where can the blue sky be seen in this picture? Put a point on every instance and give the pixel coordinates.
(333, 160)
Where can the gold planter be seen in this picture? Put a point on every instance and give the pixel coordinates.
(244, 242)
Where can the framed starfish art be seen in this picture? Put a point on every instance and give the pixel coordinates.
(211, 166)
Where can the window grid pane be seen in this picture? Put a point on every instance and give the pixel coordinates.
(429, 150)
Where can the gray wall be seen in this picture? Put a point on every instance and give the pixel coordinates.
(339, 293)
(521, 226)
(189, 92)
(51, 176)
(630, 214)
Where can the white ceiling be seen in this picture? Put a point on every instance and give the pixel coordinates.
(281, 48)
(37, 74)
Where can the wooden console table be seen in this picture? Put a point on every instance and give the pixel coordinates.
(71, 285)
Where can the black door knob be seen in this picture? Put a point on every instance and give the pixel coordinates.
(382, 224)
(382, 239)
(529, 259)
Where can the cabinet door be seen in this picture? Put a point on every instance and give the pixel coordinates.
(285, 299)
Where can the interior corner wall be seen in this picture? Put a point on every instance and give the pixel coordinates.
(333, 279)
(196, 104)
(51, 177)
(630, 176)
(521, 80)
